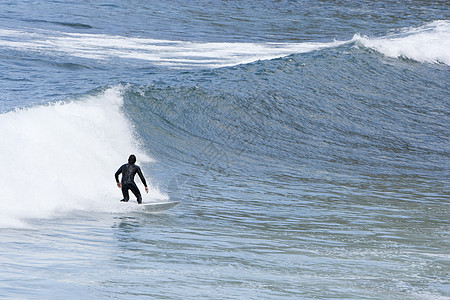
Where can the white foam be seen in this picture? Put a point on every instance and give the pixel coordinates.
(428, 43)
(62, 157)
(158, 52)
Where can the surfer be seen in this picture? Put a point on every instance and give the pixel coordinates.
(128, 172)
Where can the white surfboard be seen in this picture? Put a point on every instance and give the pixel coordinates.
(158, 206)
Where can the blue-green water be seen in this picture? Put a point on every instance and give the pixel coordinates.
(307, 141)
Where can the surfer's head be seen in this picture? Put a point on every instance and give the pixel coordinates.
(132, 159)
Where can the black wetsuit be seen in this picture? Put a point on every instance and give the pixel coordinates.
(128, 172)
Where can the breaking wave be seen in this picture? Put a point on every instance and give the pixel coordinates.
(61, 157)
(429, 43)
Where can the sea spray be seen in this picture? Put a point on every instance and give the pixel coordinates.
(429, 43)
(62, 157)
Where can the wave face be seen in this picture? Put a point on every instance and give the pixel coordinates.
(429, 43)
(61, 157)
(347, 118)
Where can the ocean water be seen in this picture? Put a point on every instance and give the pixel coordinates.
(308, 143)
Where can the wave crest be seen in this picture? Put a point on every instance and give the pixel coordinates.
(429, 43)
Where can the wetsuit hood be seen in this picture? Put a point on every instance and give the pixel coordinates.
(132, 159)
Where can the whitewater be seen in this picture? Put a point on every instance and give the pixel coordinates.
(307, 143)
(60, 157)
(428, 43)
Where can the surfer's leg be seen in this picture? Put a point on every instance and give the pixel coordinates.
(125, 194)
(136, 192)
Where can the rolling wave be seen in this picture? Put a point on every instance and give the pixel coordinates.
(345, 118)
(321, 109)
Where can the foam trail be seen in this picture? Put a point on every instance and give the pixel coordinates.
(158, 52)
(428, 43)
(62, 157)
